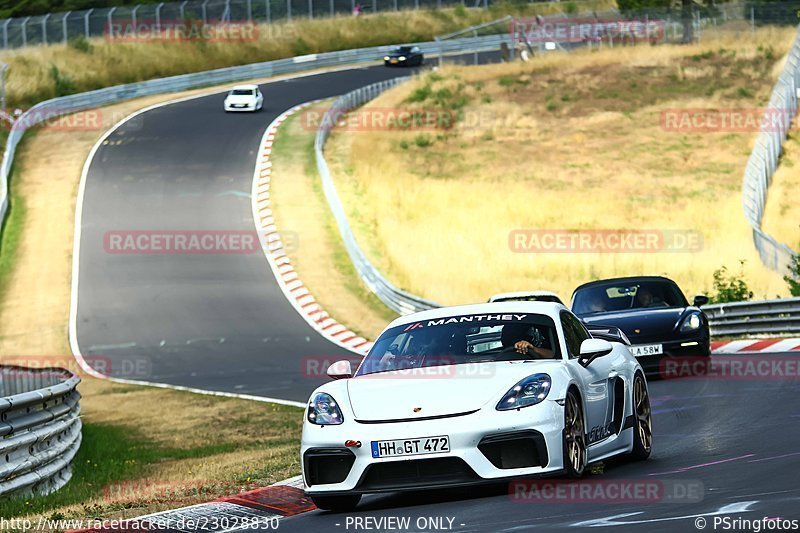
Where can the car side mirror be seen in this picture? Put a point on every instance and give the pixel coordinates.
(591, 349)
(340, 370)
(700, 299)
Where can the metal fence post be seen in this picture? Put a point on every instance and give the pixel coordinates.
(64, 29)
(5, 33)
(111, 18)
(332, 9)
(44, 28)
(158, 17)
(268, 10)
(249, 10)
(204, 8)
(311, 9)
(86, 23)
(133, 16)
(289, 9)
(182, 10)
(25, 31)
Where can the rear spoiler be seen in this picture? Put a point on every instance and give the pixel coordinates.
(608, 333)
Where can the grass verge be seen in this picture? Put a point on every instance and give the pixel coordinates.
(42, 72)
(320, 258)
(566, 141)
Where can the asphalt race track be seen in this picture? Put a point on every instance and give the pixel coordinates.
(214, 321)
(748, 427)
(220, 322)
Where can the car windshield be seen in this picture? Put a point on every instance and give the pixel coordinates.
(612, 297)
(402, 50)
(459, 340)
(242, 92)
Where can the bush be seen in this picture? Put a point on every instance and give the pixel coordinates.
(793, 279)
(62, 82)
(730, 287)
(80, 44)
(422, 141)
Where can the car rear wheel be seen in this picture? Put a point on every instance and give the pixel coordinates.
(343, 503)
(574, 436)
(643, 426)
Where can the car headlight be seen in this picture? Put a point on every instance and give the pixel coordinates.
(402, 58)
(386, 58)
(324, 411)
(529, 391)
(691, 322)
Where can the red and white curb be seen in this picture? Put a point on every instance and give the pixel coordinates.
(257, 509)
(269, 236)
(755, 346)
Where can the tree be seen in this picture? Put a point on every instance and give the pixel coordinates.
(793, 279)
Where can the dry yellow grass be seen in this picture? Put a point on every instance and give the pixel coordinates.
(31, 79)
(299, 206)
(782, 212)
(254, 448)
(567, 141)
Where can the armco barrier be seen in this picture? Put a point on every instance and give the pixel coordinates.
(77, 102)
(750, 318)
(396, 299)
(40, 428)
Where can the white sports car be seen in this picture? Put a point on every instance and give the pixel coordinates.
(472, 394)
(244, 98)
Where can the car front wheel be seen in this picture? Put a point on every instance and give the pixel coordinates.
(574, 436)
(643, 425)
(344, 503)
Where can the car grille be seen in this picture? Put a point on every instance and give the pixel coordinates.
(417, 473)
(327, 465)
(520, 449)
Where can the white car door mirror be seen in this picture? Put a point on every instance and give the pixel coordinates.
(591, 349)
(340, 370)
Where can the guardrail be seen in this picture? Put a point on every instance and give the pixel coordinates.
(763, 161)
(40, 428)
(55, 107)
(750, 318)
(396, 299)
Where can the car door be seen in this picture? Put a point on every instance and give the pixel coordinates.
(596, 379)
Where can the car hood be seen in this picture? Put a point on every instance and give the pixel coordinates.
(436, 391)
(641, 325)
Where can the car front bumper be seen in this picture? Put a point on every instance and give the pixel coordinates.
(486, 445)
(250, 107)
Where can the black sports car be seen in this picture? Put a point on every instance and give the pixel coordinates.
(404, 56)
(651, 311)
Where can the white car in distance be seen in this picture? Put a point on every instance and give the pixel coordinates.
(244, 98)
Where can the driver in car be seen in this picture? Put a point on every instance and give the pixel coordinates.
(526, 340)
(645, 298)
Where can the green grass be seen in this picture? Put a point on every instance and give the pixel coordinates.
(10, 232)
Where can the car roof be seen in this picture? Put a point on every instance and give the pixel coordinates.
(244, 87)
(522, 294)
(550, 309)
(628, 279)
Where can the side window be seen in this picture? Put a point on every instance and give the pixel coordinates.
(574, 333)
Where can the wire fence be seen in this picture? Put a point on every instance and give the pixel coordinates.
(763, 162)
(55, 28)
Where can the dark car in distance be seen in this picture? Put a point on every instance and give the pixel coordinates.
(404, 56)
(651, 311)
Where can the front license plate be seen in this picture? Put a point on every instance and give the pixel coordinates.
(392, 61)
(403, 447)
(647, 349)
